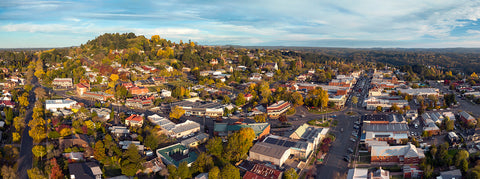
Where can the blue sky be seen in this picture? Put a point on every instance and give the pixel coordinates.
(317, 23)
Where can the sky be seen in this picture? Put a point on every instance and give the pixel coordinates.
(313, 23)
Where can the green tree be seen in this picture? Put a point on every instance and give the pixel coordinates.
(226, 99)
(183, 170)
(297, 99)
(428, 171)
(230, 172)
(239, 143)
(215, 146)
(9, 172)
(121, 92)
(203, 163)
(460, 156)
(132, 161)
(172, 172)
(18, 123)
(23, 100)
(240, 100)
(8, 115)
(449, 124)
(37, 133)
(260, 118)
(177, 112)
(151, 141)
(464, 165)
(35, 173)
(99, 151)
(214, 173)
(291, 173)
(354, 100)
(39, 151)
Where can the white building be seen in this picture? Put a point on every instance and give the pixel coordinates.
(53, 105)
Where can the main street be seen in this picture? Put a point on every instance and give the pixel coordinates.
(25, 157)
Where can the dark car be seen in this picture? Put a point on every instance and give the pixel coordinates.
(346, 158)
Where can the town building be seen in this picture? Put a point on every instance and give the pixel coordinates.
(298, 148)
(400, 154)
(54, 105)
(412, 171)
(420, 91)
(138, 103)
(138, 90)
(392, 132)
(467, 118)
(176, 154)
(210, 109)
(97, 95)
(278, 108)
(266, 152)
(134, 120)
(451, 174)
(310, 134)
(383, 119)
(62, 82)
(195, 140)
(82, 88)
(224, 129)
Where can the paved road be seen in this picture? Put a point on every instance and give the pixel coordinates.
(25, 157)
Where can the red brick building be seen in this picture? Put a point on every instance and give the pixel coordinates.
(402, 154)
(138, 90)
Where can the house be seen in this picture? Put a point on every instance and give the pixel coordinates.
(53, 105)
(153, 166)
(260, 171)
(467, 118)
(213, 62)
(138, 90)
(357, 173)
(176, 154)
(248, 97)
(429, 125)
(82, 88)
(7, 103)
(266, 152)
(119, 131)
(97, 95)
(401, 154)
(165, 93)
(102, 113)
(255, 77)
(453, 138)
(88, 170)
(452, 174)
(202, 176)
(278, 108)
(379, 174)
(63, 82)
(412, 171)
(134, 120)
(124, 145)
(159, 80)
(169, 68)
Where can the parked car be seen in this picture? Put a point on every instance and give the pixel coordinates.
(350, 150)
(346, 158)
